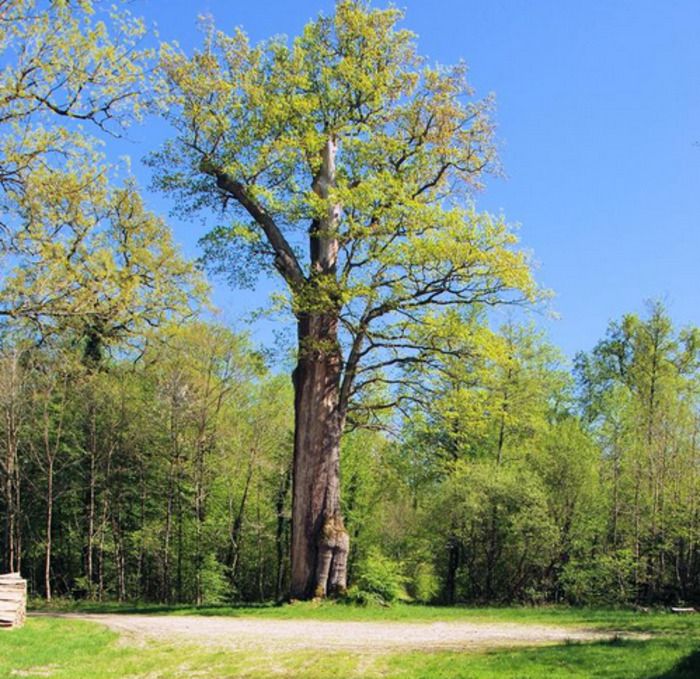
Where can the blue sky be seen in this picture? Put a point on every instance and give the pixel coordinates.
(598, 111)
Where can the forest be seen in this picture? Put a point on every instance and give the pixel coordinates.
(426, 449)
(167, 477)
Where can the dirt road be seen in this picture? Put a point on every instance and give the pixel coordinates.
(283, 635)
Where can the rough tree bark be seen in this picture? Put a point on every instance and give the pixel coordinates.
(320, 542)
(319, 539)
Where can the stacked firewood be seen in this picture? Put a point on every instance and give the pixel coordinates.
(13, 600)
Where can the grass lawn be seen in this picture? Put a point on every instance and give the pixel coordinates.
(81, 650)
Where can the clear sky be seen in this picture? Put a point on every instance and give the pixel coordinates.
(598, 110)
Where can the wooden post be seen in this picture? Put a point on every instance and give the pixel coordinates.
(13, 600)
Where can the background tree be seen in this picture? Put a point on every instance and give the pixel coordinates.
(73, 249)
(347, 162)
(62, 63)
(14, 394)
(639, 387)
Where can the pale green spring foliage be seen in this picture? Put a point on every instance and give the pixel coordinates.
(86, 251)
(73, 247)
(61, 65)
(412, 147)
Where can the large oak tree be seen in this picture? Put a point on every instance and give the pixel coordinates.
(345, 162)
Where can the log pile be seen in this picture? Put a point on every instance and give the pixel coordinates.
(13, 600)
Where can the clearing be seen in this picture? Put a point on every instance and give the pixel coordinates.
(286, 635)
(336, 641)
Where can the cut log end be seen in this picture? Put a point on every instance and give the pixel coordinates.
(13, 601)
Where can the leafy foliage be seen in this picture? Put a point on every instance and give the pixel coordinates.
(347, 163)
(379, 579)
(74, 249)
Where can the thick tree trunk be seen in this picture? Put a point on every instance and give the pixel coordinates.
(319, 539)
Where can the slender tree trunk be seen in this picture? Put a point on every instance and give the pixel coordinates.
(199, 509)
(10, 504)
(180, 543)
(142, 540)
(50, 452)
(10, 465)
(90, 548)
(236, 530)
(198, 554)
(504, 414)
(165, 588)
(261, 552)
(637, 531)
(119, 554)
(107, 501)
(616, 495)
(453, 554)
(492, 552)
(173, 471)
(282, 532)
(92, 360)
(18, 530)
(101, 549)
(49, 529)
(200, 491)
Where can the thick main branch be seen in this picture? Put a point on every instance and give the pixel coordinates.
(285, 259)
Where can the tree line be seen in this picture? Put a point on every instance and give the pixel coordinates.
(165, 480)
(167, 476)
(417, 451)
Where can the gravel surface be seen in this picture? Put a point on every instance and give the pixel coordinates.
(283, 635)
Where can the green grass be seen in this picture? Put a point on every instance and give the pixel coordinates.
(80, 650)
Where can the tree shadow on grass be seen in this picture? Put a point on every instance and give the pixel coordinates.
(686, 668)
(617, 657)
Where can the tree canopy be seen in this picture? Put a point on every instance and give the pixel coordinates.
(75, 248)
(347, 162)
(477, 464)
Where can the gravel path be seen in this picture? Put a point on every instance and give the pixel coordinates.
(283, 635)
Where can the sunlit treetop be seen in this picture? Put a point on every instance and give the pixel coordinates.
(67, 70)
(348, 163)
(73, 248)
(90, 255)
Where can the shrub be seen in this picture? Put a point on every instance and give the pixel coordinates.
(603, 579)
(424, 585)
(379, 580)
